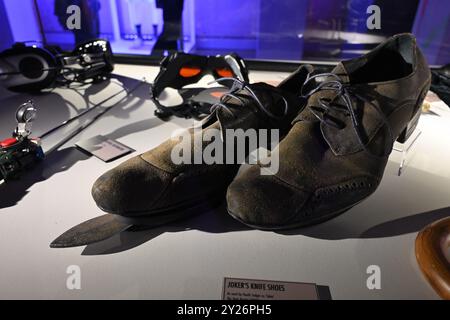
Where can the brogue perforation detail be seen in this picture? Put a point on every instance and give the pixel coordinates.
(353, 185)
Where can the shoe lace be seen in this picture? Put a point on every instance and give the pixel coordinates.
(344, 92)
(242, 85)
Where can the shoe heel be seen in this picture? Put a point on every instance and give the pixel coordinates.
(410, 127)
(412, 124)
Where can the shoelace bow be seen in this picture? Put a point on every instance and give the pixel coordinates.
(242, 85)
(345, 93)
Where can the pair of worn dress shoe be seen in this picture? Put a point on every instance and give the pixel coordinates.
(338, 130)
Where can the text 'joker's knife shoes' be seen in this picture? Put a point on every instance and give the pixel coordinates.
(336, 152)
(151, 189)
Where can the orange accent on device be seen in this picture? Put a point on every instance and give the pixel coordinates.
(189, 72)
(225, 72)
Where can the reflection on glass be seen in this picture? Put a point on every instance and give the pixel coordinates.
(172, 14)
(90, 23)
(318, 30)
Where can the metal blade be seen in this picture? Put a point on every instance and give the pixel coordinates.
(91, 231)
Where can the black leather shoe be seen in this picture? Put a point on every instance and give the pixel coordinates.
(152, 189)
(336, 152)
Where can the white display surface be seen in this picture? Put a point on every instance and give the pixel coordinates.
(190, 258)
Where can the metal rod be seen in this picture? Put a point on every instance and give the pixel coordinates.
(66, 122)
(83, 127)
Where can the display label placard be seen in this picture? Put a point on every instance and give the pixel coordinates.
(248, 289)
(103, 148)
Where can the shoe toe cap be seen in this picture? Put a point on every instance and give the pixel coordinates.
(264, 202)
(129, 189)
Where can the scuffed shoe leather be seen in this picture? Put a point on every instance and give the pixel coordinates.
(336, 152)
(152, 185)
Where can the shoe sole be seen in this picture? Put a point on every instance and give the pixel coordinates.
(294, 225)
(170, 214)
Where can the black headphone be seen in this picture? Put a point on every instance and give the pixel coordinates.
(31, 68)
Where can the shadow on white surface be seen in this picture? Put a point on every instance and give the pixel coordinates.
(58, 161)
(214, 221)
(388, 218)
(218, 221)
(55, 109)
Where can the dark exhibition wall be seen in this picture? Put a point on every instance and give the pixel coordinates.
(325, 30)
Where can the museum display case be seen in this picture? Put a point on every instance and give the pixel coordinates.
(224, 150)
